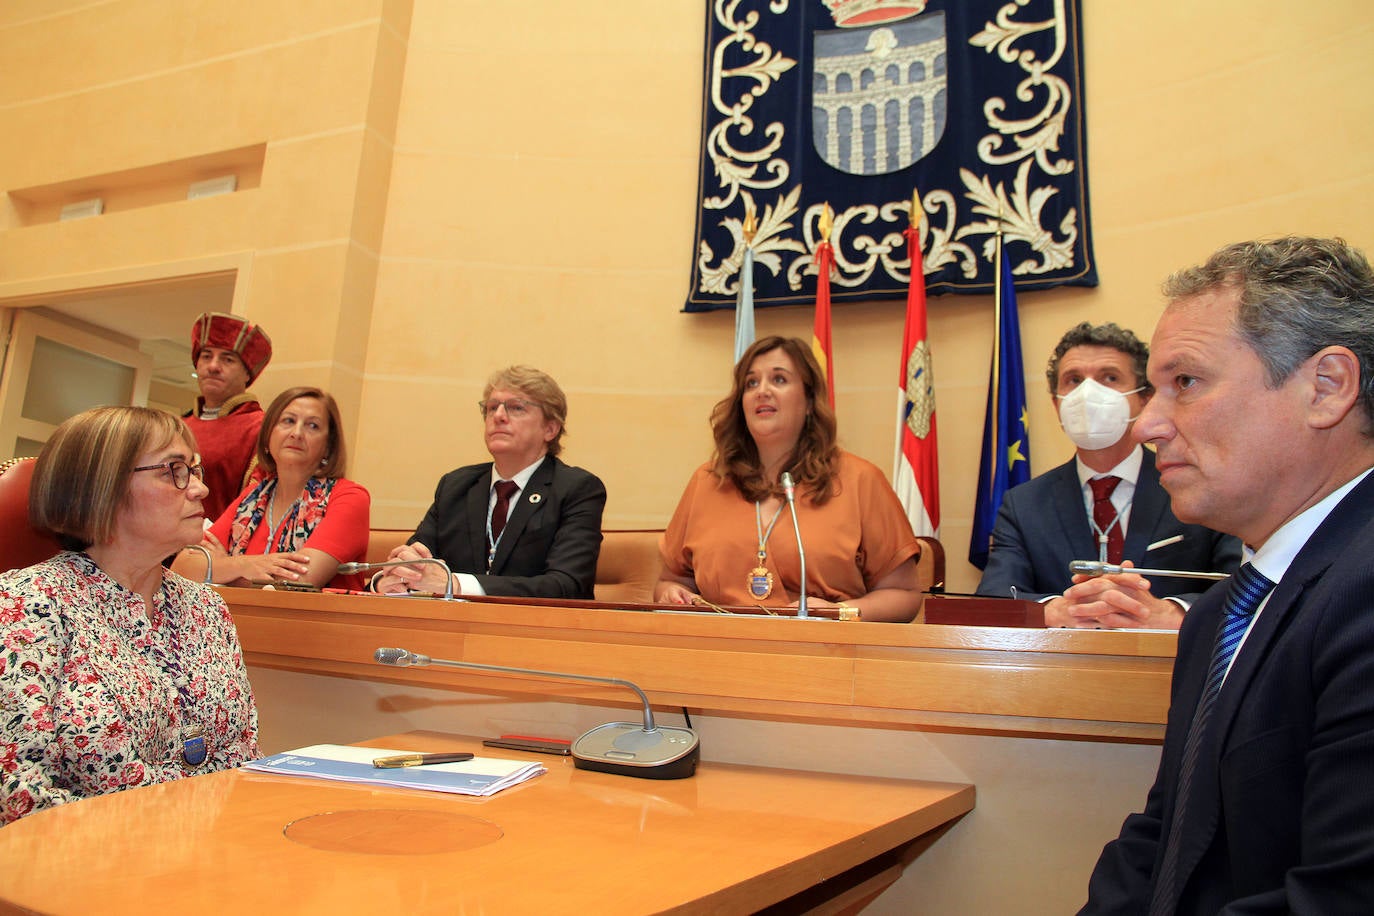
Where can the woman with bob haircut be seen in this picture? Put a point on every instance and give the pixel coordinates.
(116, 672)
(302, 519)
(728, 543)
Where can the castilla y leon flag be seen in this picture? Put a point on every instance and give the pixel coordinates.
(916, 470)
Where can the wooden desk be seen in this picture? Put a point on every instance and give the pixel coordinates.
(977, 611)
(730, 839)
(1103, 685)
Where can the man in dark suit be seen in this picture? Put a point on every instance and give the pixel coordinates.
(1106, 504)
(1263, 420)
(524, 523)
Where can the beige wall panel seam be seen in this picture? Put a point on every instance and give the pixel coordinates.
(188, 67)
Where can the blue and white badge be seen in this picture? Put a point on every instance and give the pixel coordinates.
(193, 748)
(760, 582)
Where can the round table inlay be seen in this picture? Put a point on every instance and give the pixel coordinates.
(392, 831)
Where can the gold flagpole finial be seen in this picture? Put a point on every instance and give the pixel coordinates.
(827, 221)
(915, 208)
(751, 223)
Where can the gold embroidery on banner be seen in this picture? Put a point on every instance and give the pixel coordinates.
(738, 167)
(868, 237)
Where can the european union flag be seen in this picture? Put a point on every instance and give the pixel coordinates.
(1005, 460)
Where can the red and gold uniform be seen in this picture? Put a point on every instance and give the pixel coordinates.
(227, 445)
(227, 438)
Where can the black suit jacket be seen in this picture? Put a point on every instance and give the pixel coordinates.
(1043, 525)
(551, 543)
(1285, 784)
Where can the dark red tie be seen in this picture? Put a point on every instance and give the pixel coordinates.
(1105, 517)
(505, 489)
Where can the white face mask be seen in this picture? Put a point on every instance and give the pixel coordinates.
(1095, 416)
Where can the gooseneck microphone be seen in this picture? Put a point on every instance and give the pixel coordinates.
(1094, 568)
(348, 569)
(649, 751)
(790, 492)
(404, 658)
(209, 561)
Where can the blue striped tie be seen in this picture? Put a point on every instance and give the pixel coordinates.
(1247, 590)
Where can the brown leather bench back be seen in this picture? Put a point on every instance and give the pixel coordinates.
(20, 545)
(628, 566)
(625, 571)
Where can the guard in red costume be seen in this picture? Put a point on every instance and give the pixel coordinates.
(229, 353)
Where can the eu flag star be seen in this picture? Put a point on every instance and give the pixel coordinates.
(1014, 454)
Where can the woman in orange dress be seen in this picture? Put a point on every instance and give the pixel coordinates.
(731, 540)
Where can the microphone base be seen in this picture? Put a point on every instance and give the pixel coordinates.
(627, 749)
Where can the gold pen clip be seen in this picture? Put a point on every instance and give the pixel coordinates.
(400, 760)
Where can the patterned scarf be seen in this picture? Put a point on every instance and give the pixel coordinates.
(301, 519)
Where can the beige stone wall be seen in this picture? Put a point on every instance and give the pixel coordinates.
(443, 187)
(133, 100)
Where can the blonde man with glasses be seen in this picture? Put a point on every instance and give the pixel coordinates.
(522, 524)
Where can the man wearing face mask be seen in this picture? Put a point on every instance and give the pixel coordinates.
(1106, 504)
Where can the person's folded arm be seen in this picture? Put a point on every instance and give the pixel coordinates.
(419, 577)
(671, 589)
(1010, 572)
(1113, 601)
(321, 567)
(895, 598)
(244, 569)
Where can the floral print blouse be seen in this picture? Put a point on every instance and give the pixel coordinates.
(89, 695)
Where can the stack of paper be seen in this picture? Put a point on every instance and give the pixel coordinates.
(479, 776)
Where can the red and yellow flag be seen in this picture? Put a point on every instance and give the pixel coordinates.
(916, 471)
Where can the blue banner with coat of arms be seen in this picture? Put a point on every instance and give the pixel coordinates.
(975, 104)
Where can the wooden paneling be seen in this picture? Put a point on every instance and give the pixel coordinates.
(982, 680)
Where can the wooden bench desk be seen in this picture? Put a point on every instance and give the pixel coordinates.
(987, 680)
(731, 839)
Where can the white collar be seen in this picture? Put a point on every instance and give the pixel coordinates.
(522, 478)
(1277, 553)
(1128, 469)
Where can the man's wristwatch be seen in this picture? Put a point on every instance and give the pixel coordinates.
(848, 612)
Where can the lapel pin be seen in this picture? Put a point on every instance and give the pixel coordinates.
(535, 498)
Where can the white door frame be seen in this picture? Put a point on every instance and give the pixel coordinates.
(28, 327)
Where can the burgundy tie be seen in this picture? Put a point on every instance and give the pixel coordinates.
(505, 489)
(1105, 516)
